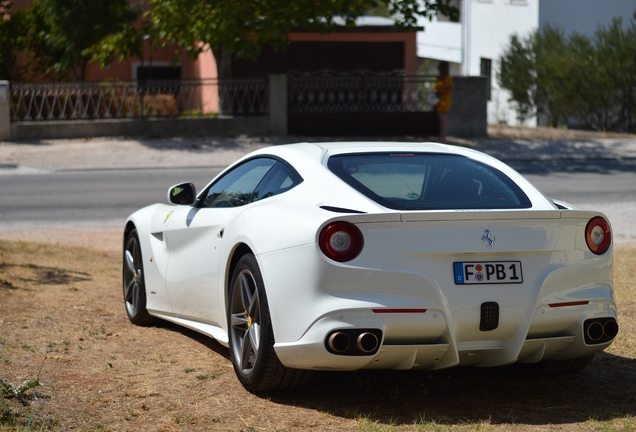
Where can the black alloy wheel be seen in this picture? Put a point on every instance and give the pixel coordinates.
(133, 282)
(251, 335)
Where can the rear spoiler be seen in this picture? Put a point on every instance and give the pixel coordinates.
(458, 215)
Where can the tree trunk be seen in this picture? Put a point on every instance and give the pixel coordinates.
(79, 71)
(223, 60)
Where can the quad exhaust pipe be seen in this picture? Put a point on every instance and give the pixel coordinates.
(339, 342)
(595, 331)
(367, 342)
(354, 342)
(610, 329)
(600, 330)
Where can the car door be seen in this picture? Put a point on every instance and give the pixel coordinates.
(194, 236)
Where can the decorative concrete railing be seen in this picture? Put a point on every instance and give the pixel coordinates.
(324, 103)
(360, 91)
(138, 99)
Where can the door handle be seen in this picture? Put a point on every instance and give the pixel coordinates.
(220, 234)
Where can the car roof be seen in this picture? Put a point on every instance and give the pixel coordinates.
(317, 152)
(381, 145)
(373, 146)
(330, 148)
(310, 161)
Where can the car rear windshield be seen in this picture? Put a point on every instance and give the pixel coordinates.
(426, 181)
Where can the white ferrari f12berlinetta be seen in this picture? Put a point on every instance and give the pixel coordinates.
(345, 256)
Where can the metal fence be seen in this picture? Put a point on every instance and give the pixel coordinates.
(138, 99)
(360, 91)
(317, 92)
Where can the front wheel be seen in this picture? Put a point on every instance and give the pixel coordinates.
(133, 281)
(251, 335)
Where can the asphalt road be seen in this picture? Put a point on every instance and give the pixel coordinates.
(90, 196)
(613, 193)
(109, 196)
(588, 189)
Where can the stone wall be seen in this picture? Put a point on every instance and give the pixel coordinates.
(468, 115)
(230, 126)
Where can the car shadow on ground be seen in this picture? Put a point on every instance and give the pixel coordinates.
(605, 390)
(204, 340)
(515, 394)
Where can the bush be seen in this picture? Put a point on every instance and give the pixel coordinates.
(590, 79)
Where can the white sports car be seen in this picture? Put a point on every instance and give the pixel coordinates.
(345, 256)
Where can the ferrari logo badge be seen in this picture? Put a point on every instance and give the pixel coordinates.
(489, 238)
(167, 217)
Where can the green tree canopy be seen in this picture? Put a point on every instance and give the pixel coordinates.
(605, 76)
(242, 27)
(72, 33)
(536, 70)
(8, 40)
(65, 36)
(590, 79)
(517, 74)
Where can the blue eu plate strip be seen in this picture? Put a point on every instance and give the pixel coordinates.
(459, 272)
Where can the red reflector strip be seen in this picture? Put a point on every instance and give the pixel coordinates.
(398, 310)
(576, 303)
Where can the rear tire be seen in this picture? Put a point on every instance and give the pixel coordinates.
(252, 337)
(133, 282)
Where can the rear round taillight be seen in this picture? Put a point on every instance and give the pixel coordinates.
(341, 241)
(598, 235)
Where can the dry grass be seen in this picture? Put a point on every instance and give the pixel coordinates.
(62, 320)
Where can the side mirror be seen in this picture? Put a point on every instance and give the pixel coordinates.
(182, 194)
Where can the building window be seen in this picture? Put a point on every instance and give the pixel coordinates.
(486, 71)
(159, 79)
(158, 73)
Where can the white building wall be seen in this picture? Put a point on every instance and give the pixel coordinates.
(483, 32)
(440, 41)
(489, 25)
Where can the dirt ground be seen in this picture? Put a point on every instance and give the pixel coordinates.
(62, 321)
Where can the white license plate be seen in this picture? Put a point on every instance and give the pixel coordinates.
(487, 272)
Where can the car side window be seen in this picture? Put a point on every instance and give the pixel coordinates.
(236, 188)
(279, 179)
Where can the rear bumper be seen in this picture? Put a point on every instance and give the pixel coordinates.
(424, 341)
(542, 318)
